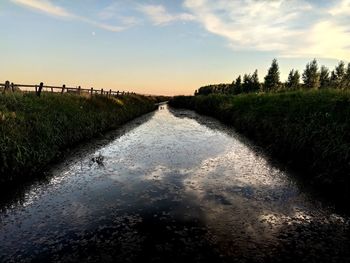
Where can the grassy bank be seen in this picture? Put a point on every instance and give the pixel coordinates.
(35, 130)
(309, 130)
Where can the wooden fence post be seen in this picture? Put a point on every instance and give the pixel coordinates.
(101, 91)
(63, 88)
(7, 86)
(12, 86)
(92, 91)
(117, 93)
(110, 92)
(52, 89)
(40, 89)
(79, 88)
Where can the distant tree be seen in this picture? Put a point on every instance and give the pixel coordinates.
(347, 78)
(227, 88)
(238, 85)
(337, 76)
(272, 79)
(333, 82)
(293, 81)
(324, 77)
(232, 88)
(247, 83)
(341, 75)
(255, 81)
(340, 70)
(205, 90)
(311, 76)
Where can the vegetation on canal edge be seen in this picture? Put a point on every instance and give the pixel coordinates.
(35, 130)
(307, 129)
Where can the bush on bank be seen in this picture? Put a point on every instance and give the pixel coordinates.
(34, 130)
(306, 129)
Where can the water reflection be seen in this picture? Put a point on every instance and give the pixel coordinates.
(19, 193)
(178, 186)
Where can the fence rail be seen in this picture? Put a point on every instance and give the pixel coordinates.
(12, 87)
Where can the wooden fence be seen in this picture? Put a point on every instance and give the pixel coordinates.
(12, 87)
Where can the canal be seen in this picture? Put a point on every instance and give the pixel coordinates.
(168, 187)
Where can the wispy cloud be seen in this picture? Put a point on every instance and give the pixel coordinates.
(108, 27)
(160, 16)
(49, 8)
(44, 6)
(120, 12)
(292, 28)
(109, 11)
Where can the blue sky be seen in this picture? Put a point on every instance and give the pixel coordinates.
(166, 47)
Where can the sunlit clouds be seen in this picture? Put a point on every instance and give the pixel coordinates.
(291, 28)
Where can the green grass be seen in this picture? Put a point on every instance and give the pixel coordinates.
(34, 131)
(309, 130)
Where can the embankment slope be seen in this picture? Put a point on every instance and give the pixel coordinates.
(36, 130)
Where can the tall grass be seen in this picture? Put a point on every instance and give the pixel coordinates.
(33, 130)
(306, 129)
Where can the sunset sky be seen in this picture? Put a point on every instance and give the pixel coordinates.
(166, 47)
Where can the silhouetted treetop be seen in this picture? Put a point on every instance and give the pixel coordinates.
(272, 79)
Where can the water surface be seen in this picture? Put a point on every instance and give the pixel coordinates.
(168, 187)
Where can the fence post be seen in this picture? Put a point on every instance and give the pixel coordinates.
(40, 89)
(52, 89)
(79, 88)
(63, 88)
(12, 86)
(92, 91)
(7, 86)
(101, 91)
(110, 92)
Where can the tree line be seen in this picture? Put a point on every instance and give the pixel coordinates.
(313, 77)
